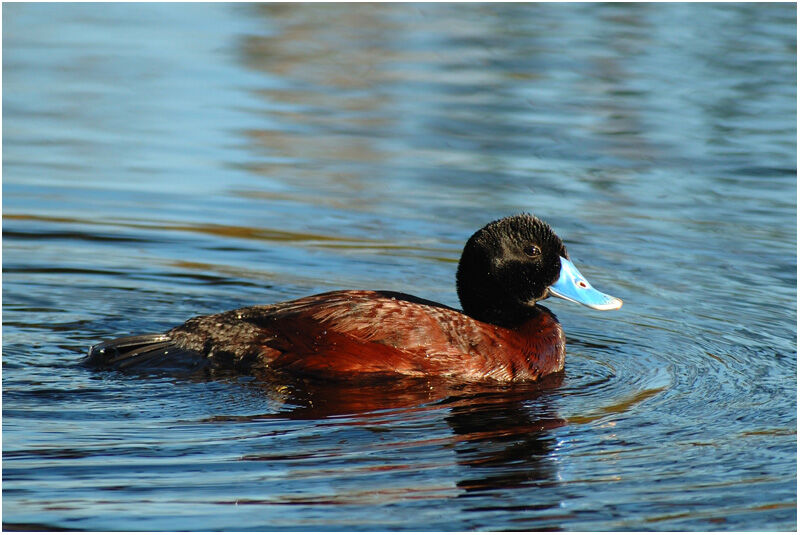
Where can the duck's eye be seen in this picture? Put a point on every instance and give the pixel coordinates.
(532, 250)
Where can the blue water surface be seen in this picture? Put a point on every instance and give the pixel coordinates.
(166, 160)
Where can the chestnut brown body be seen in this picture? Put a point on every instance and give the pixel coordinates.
(347, 333)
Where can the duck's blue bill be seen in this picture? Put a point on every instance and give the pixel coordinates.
(573, 286)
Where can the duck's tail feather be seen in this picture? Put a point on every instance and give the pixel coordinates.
(145, 352)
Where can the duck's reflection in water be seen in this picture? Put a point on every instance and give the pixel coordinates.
(502, 433)
(505, 437)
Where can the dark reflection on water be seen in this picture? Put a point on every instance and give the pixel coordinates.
(499, 433)
(162, 161)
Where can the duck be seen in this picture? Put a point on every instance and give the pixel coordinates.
(501, 334)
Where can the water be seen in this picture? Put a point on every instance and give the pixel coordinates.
(162, 161)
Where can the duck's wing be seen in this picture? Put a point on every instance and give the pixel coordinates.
(145, 352)
(348, 333)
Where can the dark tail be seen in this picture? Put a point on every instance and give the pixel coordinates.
(144, 352)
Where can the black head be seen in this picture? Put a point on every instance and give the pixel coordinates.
(506, 267)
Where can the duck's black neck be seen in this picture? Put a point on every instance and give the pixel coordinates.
(507, 316)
